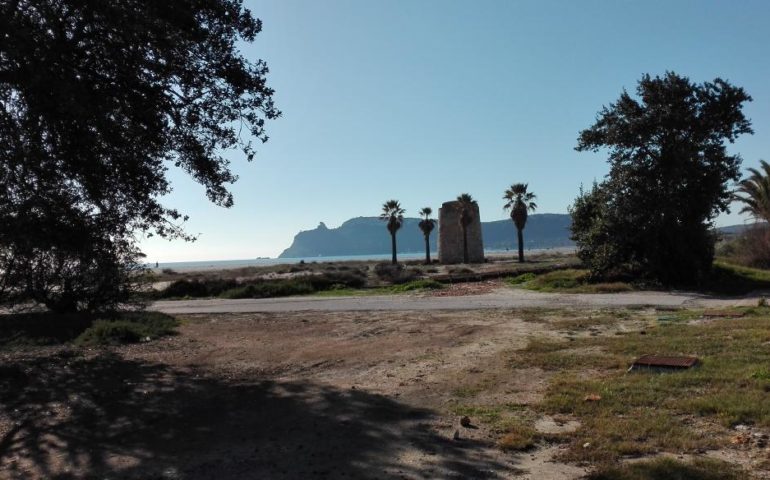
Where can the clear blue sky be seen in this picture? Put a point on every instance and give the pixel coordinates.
(422, 100)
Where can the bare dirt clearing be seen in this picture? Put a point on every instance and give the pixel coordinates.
(297, 395)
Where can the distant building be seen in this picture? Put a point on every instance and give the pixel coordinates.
(450, 235)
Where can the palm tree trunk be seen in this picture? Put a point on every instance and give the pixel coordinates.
(427, 251)
(465, 245)
(520, 235)
(393, 246)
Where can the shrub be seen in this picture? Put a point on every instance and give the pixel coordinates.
(750, 249)
(351, 279)
(393, 273)
(197, 288)
(269, 289)
(296, 286)
(460, 270)
(126, 328)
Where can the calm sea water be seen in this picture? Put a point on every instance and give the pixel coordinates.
(250, 262)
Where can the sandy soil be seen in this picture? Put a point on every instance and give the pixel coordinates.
(326, 395)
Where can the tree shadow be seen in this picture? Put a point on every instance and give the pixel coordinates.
(65, 416)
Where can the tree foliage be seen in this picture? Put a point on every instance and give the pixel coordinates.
(669, 177)
(427, 225)
(98, 100)
(468, 207)
(754, 192)
(393, 214)
(520, 202)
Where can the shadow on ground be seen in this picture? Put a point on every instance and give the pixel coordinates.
(63, 416)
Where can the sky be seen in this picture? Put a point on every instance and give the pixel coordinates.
(421, 100)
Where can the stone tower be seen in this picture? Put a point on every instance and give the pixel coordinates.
(450, 235)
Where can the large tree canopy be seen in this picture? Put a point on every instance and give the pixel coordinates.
(98, 99)
(669, 177)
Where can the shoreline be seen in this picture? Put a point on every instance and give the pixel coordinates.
(213, 265)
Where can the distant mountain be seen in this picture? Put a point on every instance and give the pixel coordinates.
(368, 236)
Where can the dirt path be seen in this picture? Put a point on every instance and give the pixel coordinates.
(498, 298)
(304, 395)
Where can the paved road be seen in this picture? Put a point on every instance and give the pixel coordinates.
(502, 298)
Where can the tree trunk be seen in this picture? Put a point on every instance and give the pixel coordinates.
(427, 250)
(520, 235)
(465, 244)
(394, 261)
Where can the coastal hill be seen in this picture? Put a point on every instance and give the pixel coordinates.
(368, 236)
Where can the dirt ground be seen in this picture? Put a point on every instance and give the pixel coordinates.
(282, 396)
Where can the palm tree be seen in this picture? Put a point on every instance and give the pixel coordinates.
(467, 209)
(756, 189)
(394, 215)
(520, 201)
(427, 225)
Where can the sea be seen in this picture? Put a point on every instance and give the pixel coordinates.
(257, 262)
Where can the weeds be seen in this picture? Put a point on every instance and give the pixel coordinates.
(667, 468)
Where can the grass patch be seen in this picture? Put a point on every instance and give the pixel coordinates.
(46, 328)
(641, 413)
(520, 436)
(731, 279)
(511, 422)
(670, 469)
(725, 279)
(425, 284)
(520, 279)
(568, 281)
(411, 286)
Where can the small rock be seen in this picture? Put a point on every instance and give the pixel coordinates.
(741, 428)
(465, 421)
(587, 444)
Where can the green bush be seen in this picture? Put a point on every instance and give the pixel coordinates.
(395, 274)
(269, 289)
(130, 327)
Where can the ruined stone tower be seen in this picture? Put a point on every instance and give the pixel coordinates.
(450, 235)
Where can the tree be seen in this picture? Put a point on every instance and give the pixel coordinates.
(520, 202)
(394, 215)
(99, 100)
(427, 225)
(754, 192)
(467, 209)
(669, 174)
